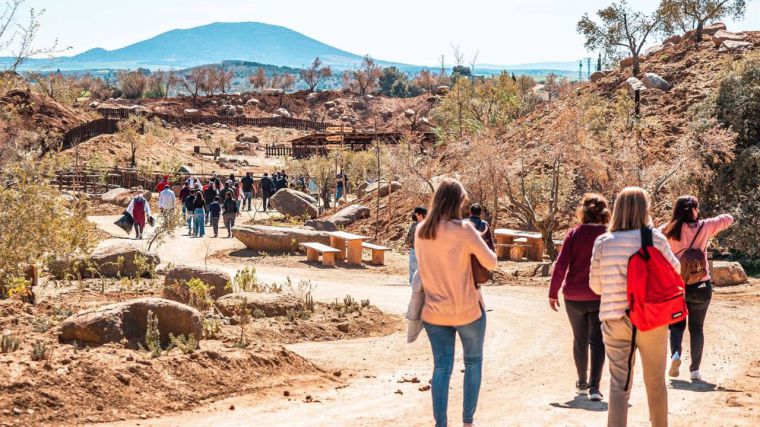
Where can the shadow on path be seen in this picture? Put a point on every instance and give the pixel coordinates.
(582, 402)
(699, 386)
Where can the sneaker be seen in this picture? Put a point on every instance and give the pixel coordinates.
(696, 376)
(581, 387)
(594, 394)
(675, 365)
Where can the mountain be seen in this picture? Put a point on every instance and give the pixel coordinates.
(208, 44)
(555, 66)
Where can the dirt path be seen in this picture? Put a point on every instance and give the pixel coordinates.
(528, 374)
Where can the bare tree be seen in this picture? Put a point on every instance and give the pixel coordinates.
(132, 83)
(426, 80)
(220, 78)
(18, 38)
(195, 81)
(685, 15)
(366, 77)
(315, 74)
(621, 29)
(258, 79)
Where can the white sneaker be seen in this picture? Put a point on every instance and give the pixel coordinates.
(675, 365)
(696, 376)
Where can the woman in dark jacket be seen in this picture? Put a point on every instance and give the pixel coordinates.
(571, 273)
(230, 210)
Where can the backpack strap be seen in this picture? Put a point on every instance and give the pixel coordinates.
(646, 242)
(630, 360)
(696, 235)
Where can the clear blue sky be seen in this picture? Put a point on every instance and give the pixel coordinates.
(409, 31)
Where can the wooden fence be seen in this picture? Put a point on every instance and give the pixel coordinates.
(297, 152)
(89, 130)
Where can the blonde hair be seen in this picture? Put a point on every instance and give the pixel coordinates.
(447, 205)
(631, 210)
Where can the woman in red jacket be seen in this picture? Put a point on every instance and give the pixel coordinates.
(571, 273)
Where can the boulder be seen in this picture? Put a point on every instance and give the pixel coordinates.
(653, 49)
(312, 98)
(598, 75)
(94, 104)
(672, 39)
(219, 282)
(409, 113)
(128, 320)
(277, 239)
(720, 36)
(282, 112)
(385, 189)
(294, 203)
(241, 137)
(654, 81)
(252, 101)
(270, 304)
(321, 225)
(714, 28)
(329, 104)
(632, 84)
(728, 45)
(107, 260)
(627, 62)
(442, 90)
(239, 109)
(227, 110)
(359, 104)
(725, 273)
(242, 147)
(349, 215)
(185, 169)
(191, 112)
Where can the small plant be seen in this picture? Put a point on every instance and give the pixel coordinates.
(184, 343)
(365, 303)
(258, 313)
(40, 352)
(297, 314)
(301, 290)
(152, 335)
(143, 267)
(199, 294)
(41, 324)
(308, 302)
(9, 343)
(244, 316)
(246, 281)
(211, 328)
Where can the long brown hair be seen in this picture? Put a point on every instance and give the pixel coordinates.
(447, 205)
(683, 212)
(593, 209)
(631, 210)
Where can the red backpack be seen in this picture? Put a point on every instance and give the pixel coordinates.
(655, 289)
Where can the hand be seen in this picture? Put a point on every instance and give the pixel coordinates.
(554, 303)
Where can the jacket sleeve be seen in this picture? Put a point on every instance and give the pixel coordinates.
(486, 257)
(560, 266)
(595, 279)
(661, 243)
(717, 224)
(131, 207)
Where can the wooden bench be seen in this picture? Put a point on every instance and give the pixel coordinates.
(314, 250)
(516, 249)
(378, 252)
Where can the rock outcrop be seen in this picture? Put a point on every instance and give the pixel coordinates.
(385, 188)
(633, 84)
(128, 320)
(349, 215)
(654, 81)
(294, 203)
(174, 283)
(117, 260)
(277, 239)
(270, 304)
(725, 273)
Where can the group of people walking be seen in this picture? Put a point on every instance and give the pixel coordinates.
(591, 271)
(204, 205)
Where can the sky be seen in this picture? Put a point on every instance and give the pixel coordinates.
(407, 31)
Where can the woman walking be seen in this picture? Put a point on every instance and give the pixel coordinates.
(445, 246)
(688, 235)
(418, 215)
(199, 211)
(571, 273)
(608, 278)
(230, 209)
(140, 211)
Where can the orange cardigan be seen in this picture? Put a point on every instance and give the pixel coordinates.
(445, 268)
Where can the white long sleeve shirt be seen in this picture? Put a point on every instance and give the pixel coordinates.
(166, 199)
(131, 208)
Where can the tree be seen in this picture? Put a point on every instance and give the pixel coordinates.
(258, 79)
(364, 80)
(599, 63)
(132, 83)
(17, 38)
(220, 78)
(159, 84)
(426, 80)
(55, 85)
(195, 81)
(315, 74)
(621, 29)
(136, 131)
(684, 15)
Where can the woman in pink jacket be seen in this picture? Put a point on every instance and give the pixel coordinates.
(686, 231)
(445, 246)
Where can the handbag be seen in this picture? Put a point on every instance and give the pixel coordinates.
(479, 273)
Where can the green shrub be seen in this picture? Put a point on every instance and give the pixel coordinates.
(40, 352)
(152, 335)
(9, 343)
(184, 343)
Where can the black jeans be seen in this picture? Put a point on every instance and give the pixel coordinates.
(698, 297)
(587, 333)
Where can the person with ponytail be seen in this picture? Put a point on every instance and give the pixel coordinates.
(571, 274)
(446, 248)
(688, 235)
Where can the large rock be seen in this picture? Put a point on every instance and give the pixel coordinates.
(174, 284)
(653, 49)
(349, 215)
(191, 112)
(282, 112)
(720, 36)
(122, 196)
(672, 40)
(626, 62)
(632, 84)
(117, 260)
(242, 137)
(294, 203)
(385, 188)
(128, 320)
(713, 28)
(185, 169)
(728, 45)
(321, 225)
(724, 273)
(270, 304)
(442, 90)
(359, 104)
(597, 75)
(654, 81)
(252, 101)
(277, 239)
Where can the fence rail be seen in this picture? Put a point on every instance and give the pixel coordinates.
(297, 152)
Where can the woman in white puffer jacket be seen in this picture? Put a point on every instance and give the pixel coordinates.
(608, 278)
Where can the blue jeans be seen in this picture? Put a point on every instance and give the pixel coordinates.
(247, 197)
(200, 224)
(442, 340)
(412, 265)
(189, 219)
(338, 194)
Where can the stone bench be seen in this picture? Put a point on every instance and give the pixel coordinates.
(314, 250)
(517, 249)
(378, 252)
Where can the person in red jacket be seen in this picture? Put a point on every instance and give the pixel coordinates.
(163, 184)
(571, 273)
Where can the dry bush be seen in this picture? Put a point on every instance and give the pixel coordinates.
(132, 83)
